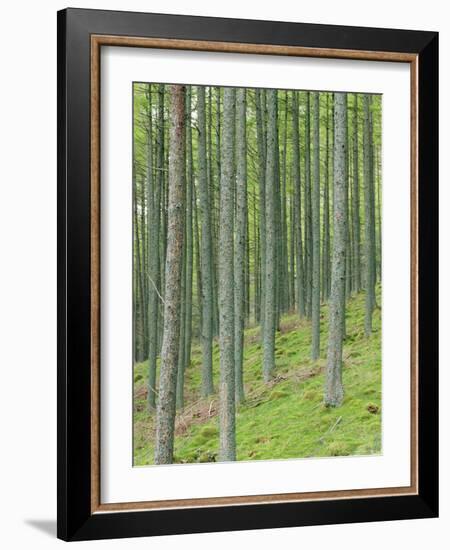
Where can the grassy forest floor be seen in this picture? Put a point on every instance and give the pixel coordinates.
(287, 418)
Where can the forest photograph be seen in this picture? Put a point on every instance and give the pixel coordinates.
(257, 274)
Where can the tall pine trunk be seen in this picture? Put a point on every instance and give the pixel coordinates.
(206, 251)
(315, 223)
(292, 230)
(372, 200)
(261, 138)
(189, 230)
(326, 216)
(368, 216)
(308, 213)
(356, 200)
(144, 230)
(165, 422)
(154, 195)
(297, 207)
(240, 240)
(379, 201)
(227, 437)
(270, 179)
(284, 287)
(181, 340)
(334, 392)
(162, 189)
(140, 288)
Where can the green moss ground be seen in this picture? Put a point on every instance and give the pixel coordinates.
(285, 419)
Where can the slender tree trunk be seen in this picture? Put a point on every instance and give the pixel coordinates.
(326, 216)
(269, 307)
(368, 242)
(227, 443)
(278, 262)
(135, 303)
(297, 207)
(356, 199)
(181, 340)
(198, 272)
(247, 264)
(372, 200)
(284, 291)
(379, 199)
(154, 194)
(308, 213)
(140, 289)
(334, 390)
(331, 183)
(315, 222)
(186, 279)
(215, 225)
(189, 231)
(144, 244)
(165, 422)
(213, 188)
(162, 189)
(348, 252)
(291, 249)
(260, 102)
(256, 261)
(240, 240)
(206, 254)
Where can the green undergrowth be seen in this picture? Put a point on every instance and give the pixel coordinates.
(286, 418)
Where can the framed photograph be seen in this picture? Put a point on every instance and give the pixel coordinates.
(247, 255)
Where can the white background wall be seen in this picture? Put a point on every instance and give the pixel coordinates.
(28, 272)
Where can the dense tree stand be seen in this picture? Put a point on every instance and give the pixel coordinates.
(256, 238)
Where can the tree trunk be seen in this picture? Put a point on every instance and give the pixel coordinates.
(215, 225)
(308, 213)
(348, 251)
(368, 206)
(140, 288)
(326, 216)
(170, 347)
(162, 188)
(291, 248)
(206, 252)
(227, 444)
(154, 194)
(260, 107)
(372, 199)
(334, 391)
(276, 190)
(256, 264)
(213, 189)
(356, 200)
(189, 235)
(297, 207)
(197, 245)
(379, 199)
(144, 230)
(315, 222)
(284, 290)
(181, 340)
(269, 306)
(240, 240)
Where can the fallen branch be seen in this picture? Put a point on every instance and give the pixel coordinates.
(156, 289)
(335, 424)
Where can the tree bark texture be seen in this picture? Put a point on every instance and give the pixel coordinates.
(174, 257)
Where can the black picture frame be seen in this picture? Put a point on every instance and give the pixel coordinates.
(75, 520)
